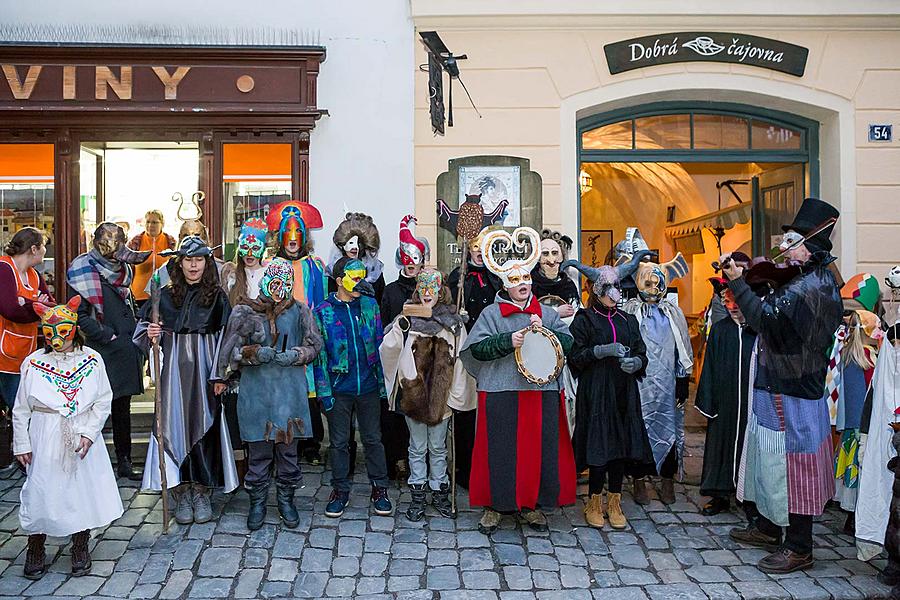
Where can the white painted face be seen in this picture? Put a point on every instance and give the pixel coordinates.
(351, 247)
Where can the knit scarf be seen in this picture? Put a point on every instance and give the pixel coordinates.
(87, 273)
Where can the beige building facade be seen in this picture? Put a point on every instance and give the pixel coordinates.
(699, 135)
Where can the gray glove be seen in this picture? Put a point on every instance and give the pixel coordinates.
(630, 364)
(615, 349)
(287, 358)
(265, 354)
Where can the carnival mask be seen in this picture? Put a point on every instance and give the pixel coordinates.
(252, 240)
(109, 241)
(277, 282)
(58, 324)
(351, 247)
(551, 258)
(652, 279)
(790, 240)
(606, 284)
(354, 278)
(412, 250)
(893, 278)
(428, 286)
(514, 271)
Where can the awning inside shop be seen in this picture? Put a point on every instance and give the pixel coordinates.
(725, 218)
(257, 162)
(26, 163)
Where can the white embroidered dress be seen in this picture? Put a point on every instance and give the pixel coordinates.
(61, 397)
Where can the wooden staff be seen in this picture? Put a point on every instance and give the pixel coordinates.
(157, 403)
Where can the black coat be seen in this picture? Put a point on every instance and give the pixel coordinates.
(124, 361)
(562, 286)
(481, 287)
(722, 397)
(609, 424)
(395, 296)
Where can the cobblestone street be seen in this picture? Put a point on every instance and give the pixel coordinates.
(667, 553)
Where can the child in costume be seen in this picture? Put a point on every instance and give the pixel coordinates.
(62, 403)
(425, 380)
(522, 460)
(241, 277)
(193, 312)
(664, 388)
(290, 223)
(851, 367)
(270, 343)
(357, 237)
(722, 397)
(609, 358)
(349, 379)
(412, 254)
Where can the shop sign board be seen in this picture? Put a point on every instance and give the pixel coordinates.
(881, 133)
(694, 46)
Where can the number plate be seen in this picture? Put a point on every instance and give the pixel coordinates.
(881, 133)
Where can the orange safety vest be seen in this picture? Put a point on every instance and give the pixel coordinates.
(145, 270)
(18, 340)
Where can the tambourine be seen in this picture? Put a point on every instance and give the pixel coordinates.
(540, 359)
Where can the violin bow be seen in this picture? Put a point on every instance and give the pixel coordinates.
(822, 227)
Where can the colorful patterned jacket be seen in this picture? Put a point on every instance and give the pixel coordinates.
(333, 358)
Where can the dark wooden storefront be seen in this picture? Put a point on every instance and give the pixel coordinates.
(211, 96)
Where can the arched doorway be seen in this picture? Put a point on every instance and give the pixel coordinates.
(695, 177)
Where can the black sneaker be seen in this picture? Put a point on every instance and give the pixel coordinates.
(381, 502)
(336, 504)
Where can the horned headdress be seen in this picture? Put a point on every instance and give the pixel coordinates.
(514, 271)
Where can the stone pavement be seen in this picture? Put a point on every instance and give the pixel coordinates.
(667, 553)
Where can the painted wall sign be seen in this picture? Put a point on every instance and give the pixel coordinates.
(695, 46)
(881, 133)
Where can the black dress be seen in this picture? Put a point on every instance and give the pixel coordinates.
(608, 421)
(722, 398)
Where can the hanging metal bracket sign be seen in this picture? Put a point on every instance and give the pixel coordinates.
(694, 46)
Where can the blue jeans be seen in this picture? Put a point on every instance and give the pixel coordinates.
(340, 421)
(9, 385)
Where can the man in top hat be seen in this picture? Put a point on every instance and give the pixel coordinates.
(788, 470)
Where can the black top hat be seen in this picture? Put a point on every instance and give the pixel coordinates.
(813, 212)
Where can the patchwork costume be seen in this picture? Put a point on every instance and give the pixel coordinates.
(522, 457)
(62, 397)
(271, 347)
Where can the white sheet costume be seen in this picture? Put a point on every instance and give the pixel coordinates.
(62, 397)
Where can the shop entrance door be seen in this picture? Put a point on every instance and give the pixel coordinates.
(777, 194)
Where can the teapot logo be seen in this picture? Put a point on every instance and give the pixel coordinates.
(704, 46)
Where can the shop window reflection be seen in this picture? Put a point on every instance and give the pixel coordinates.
(769, 136)
(669, 132)
(715, 132)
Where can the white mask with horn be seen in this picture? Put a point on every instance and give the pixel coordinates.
(514, 271)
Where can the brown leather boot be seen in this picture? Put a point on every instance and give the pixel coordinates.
(752, 536)
(593, 511)
(617, 518)
(35, 557)
(81, 557)
(639, 491)
(667, 490)
(784, 561)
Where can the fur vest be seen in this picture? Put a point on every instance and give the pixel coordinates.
(424, 366)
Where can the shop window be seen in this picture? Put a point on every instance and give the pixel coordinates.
(715, 132)
(256, 178)
(769, 136)
(27, 196)
(616, 136)
(669, 132)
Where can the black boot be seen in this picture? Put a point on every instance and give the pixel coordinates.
(35, 557)
(440, 499)
(416, 510)
(285, 497)
(125, 468)
(81, 557)
(258, 496)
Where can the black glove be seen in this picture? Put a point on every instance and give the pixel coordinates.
(615, 349)
(265, 354)
(287, 358)
(681, 391)
(630, 365)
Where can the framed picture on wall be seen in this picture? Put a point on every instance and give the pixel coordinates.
(596, 244)
(493, 184)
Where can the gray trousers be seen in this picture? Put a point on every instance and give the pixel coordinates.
(430, 442)
(261, 456)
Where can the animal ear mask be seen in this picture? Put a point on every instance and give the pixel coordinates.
(59, 323)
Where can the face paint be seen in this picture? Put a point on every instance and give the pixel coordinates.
(351, 247)
(551, 258)
(428, 286)
(277, 282)
(58, 324)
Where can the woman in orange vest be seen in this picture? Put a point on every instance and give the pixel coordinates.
(20, 286)
(154, 239)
